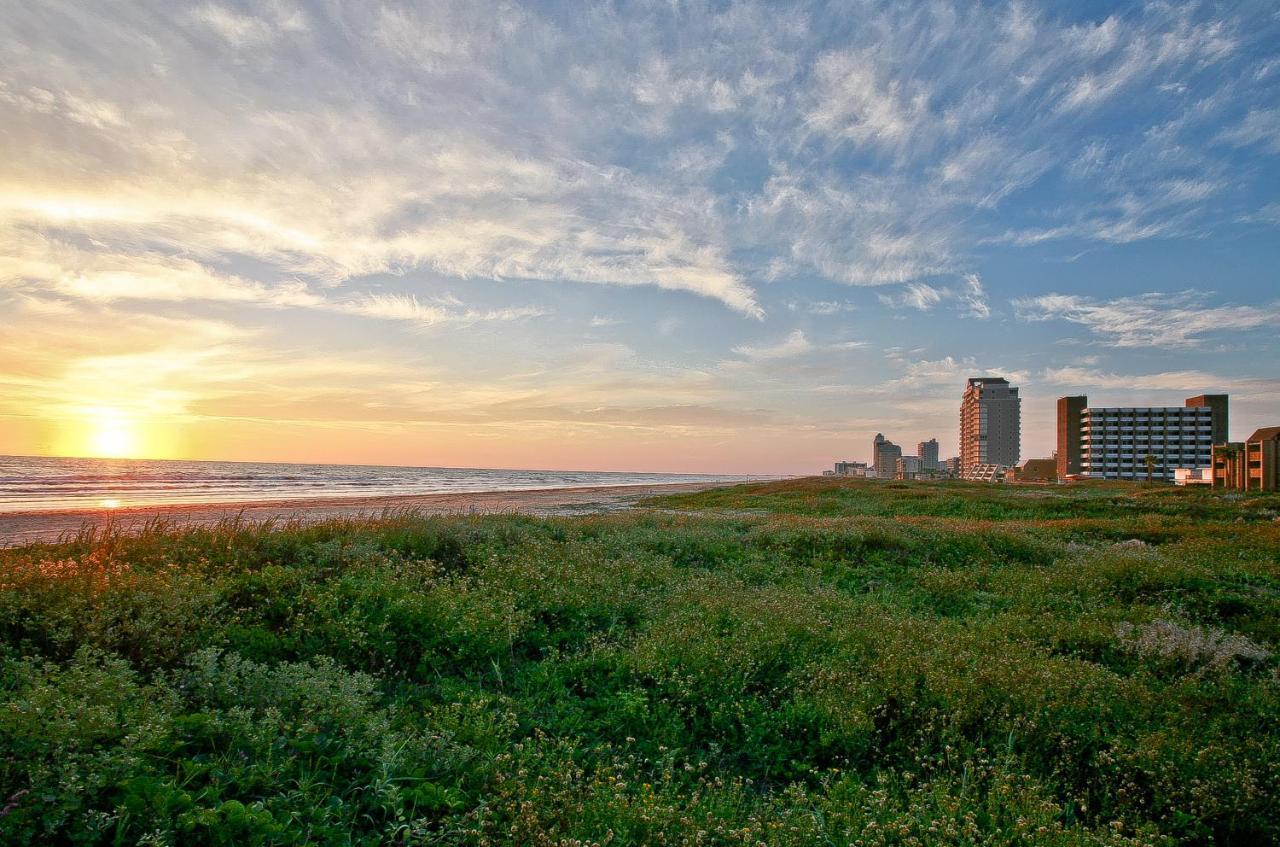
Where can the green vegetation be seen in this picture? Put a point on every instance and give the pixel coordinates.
(817, 662)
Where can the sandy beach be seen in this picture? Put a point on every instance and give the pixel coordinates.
(47, 526)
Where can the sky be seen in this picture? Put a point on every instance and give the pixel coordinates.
(725, 237)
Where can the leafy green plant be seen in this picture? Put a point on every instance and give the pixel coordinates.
(806, 662)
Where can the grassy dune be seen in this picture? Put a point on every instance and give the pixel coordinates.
(809, 662)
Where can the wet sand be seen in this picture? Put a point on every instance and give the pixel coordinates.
(31, 527)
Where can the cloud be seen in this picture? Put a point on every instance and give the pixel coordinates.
(530, 169)
(1156, 319)
(1176, 381)
(855, 100)
(321, 171)
(861, 237)
(407, 307)
(795, 344)
(821, 307)
(1113, 66)
(969, 296)
(947, 371)
(42, 268)
(1268, 214)
(240, 30)
(1260, 127)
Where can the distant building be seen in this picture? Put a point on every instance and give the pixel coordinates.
(990, 423)
(952, 466)
(858, 469)
(907, 467)
(1136, 443)
(928, 453)
(1252, 465)
(884, 457)
(1038, 470)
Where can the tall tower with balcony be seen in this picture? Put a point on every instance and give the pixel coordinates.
(990, 423)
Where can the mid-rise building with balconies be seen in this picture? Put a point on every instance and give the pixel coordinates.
(1131, 442)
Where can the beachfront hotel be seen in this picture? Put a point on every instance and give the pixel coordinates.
(1138, 442)
(990, 423)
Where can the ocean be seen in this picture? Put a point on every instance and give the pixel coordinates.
(31, 483)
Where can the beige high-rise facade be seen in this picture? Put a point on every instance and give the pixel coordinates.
(990, 423)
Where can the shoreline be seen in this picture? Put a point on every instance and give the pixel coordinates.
(37, 527)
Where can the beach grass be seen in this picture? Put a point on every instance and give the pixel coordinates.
(807, 662)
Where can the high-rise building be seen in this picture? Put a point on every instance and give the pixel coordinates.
(990, 423)
(1136, 442)
(928, 453)
(884, 457)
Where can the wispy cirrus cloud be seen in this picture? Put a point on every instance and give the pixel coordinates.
(969, 297)
(795, 344)
(1260, 127)
(248, 30)
(1174, 381)
(41, 268)
(443, 310)
(1156, 319)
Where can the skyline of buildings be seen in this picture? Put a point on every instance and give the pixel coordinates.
(1186, 444)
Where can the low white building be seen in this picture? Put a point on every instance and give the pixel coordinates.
(1193, 476)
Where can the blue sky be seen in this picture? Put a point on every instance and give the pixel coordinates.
(667, 236)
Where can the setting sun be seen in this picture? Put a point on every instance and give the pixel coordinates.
(112, 435)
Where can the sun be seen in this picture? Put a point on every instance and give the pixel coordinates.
(111, 435)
